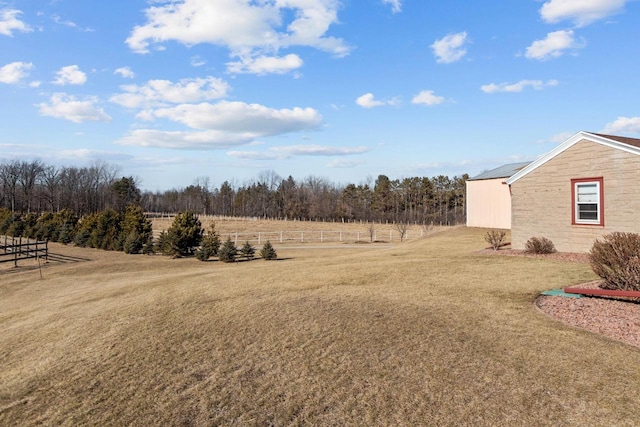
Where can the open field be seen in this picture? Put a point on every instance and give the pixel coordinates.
(428, 332)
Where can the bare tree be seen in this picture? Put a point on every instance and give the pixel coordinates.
(10, 174)
(372, 232)
(29, 174)
(51, 183)
(401, 227)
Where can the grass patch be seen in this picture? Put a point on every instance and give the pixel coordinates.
(437, 334)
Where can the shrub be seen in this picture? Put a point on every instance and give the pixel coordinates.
(248, 251)
(268, 252)
(539, 245)
(228, 251)
(495, 238)
(616, 258)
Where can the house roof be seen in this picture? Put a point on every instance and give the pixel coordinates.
(630, 145)
(625, 140)
(504, 171)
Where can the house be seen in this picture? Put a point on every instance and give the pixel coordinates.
(584, 188)
(488, 198)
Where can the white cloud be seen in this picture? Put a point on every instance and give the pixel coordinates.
(247, 29)
(519, 86)
(9, 22)
(58, 20)
(558, 138)
(553, 46)
(161, 92)
(222, 125)
(396, 5)
(344, 163)
(581, 12)
(70, 75)
(239, 117)
(16, 71)
(204, 140)
(623, 126)
(368, 101)
(125, 72)
(89, 154)
(63, 106)
(427, 97)
(286, 152)
(265, 64)
(197, 61)
(450, 48)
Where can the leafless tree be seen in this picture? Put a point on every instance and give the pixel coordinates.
(10, 175)
(401, 227)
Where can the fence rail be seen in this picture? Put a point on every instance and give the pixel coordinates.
(322, 236)
(14, 249)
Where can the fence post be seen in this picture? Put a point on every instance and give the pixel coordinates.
(280, 236)
(390, 235)
(341, 235)
(259, 238)
(302, 237)
(321, 237)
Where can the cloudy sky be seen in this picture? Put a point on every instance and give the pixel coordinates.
(346, 90)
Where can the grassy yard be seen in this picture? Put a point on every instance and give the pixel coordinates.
(428, 332)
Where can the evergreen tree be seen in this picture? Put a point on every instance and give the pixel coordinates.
(268, 252)
(210, 244)
(248, 251)
(185, 233)
(228, 251)
(149, 247)
(136, 229)
(106, 233)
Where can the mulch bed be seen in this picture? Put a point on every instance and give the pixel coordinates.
(615, 318)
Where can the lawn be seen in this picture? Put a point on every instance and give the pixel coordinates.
(428, 332)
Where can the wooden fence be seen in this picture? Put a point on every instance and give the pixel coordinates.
(14, 249)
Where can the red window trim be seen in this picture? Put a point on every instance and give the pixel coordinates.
(599, 180)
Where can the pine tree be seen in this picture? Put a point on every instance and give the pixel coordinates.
(136, 229)
(228, 251)
(268, 252)
(184, 235)
(248, 251)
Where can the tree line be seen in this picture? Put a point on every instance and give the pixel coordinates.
(437, 200)
(33, 186)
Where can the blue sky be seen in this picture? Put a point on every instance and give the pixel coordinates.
(345, 90)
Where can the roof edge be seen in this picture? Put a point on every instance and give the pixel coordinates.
(568, 144)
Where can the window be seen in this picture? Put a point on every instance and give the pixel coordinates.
(588, 200)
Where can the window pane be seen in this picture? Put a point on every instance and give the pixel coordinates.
(588, 211)
(587, 193)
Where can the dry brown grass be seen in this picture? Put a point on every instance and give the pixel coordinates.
(424, 333)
